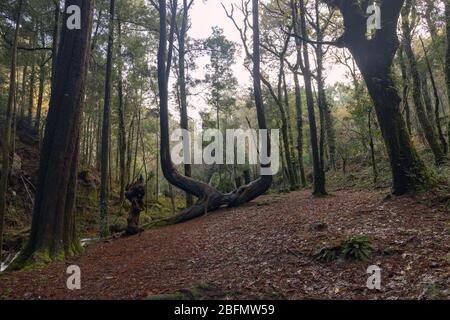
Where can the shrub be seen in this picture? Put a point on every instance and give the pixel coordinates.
(357, 248)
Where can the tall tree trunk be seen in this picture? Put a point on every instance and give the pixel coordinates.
(289, 128)
(437, 113)
(52, 234)
(427, 98)
(405, 79)
(31, 92)
(184, 122)
(157, 168)
(56, 35)
(5, 143)
(130, 149)
(285, 131)
(121, 115)
(447, 63)
(372, 148)
(23, 92)
(323, 101)
(298, 93)
(319, 174)
(284, 126)
(37, 122)
(104, 197)
(299, 111)
(428, 129)
(98, 134)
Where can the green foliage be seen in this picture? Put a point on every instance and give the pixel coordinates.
(357, 248)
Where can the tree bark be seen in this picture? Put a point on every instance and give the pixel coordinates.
(299, 111)
(31, 92)
(121, 116)
(405, 79)
(323, 101)
(184, 120)
(104, 197)
(37, 121)
(318, 171)
(56, 39)
(298, 93)
(447, 62)
(289, 128)
(7, 125)
(23, 92)
(437, 102)
(52, 234)
(372, 148)
(428, 128)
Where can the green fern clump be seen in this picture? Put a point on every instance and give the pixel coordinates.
(357, 248)
(328, 254)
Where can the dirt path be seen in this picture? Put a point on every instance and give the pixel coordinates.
(264, 250)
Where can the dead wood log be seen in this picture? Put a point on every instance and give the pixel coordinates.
(135, 193)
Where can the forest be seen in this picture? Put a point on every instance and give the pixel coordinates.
(225, 150)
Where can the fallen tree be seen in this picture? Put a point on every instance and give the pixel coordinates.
(209, 198)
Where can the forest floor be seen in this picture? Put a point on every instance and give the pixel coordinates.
(265, 250)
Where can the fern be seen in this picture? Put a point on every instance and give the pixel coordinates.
(357, 248)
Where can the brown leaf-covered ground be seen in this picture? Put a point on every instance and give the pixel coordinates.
(264, 250)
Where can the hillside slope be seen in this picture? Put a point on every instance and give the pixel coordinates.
(265, 250)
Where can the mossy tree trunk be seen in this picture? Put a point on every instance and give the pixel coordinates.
(374, 58)
(52, 234)
(418, 91)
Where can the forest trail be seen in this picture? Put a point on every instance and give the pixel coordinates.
(265, 250)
